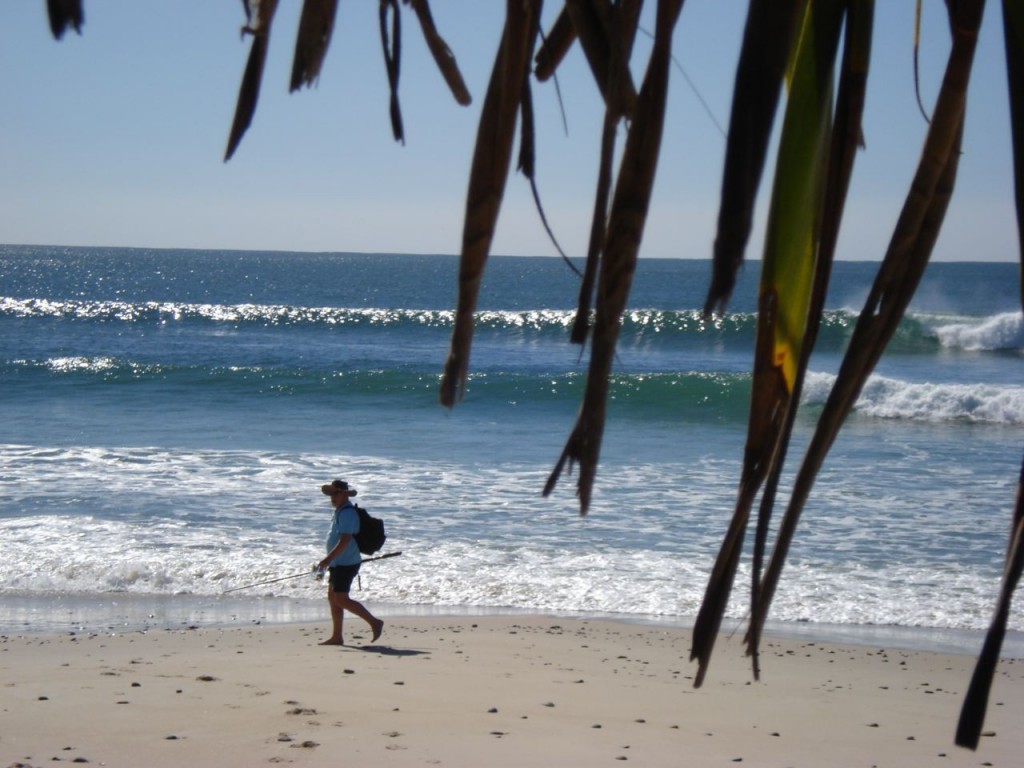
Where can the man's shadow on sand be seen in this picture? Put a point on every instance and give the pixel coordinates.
(387, 650)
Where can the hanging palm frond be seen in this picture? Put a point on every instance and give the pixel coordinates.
(908, 253)
(391, 42)
(555, 46)
(972, 715)
(618, 261)
(767, 42)
(260, 15)
(443, 56)
(1013, 29)
(845, 140)
(598, 35)
(314, 37)
(315, 27)
(599, 217)
(64, 14)
(489, 172)
(787, 279)
(623, 19)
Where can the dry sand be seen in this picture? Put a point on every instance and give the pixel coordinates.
(485, 692)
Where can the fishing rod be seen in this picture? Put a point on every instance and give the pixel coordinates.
(315, 571)
(380, 557)
(271, 581)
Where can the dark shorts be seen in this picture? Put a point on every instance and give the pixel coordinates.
(342, 576)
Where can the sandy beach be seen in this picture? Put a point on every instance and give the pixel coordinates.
(484, 691)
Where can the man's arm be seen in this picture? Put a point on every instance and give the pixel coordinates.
(338, 549)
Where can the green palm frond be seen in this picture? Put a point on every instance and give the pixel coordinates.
(787, 279)
(904, 262)
(845, 141)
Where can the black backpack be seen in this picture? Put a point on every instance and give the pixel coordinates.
(371, 536)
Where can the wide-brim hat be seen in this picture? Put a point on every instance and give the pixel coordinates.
(338, 486)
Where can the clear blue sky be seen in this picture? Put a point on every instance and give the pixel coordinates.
(117, 137)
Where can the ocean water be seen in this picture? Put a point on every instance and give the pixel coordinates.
(169, 416)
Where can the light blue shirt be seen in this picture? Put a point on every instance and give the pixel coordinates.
(346, 520)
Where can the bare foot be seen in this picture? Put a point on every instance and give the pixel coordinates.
(332, 641)
(378, 627)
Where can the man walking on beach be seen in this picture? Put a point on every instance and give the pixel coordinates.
(343, 560)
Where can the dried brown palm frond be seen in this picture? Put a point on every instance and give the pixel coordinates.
(581, 321)
(917, 68)
(314, 37)
(767, 42)
(556, 45)
(599, 36)
(972, 715)
(605, 30)
(315, 27)
(1013, 28)
(260, 15)
(527, 164)
(492, 156)
(626, 223)
(620, 26)
(443, 56)
(64, 14)
(607, 40)
(391, 42)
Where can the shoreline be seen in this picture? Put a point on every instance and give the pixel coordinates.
(486, 690)
(40, 615)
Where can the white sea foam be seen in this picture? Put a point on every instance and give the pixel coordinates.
(173, 522)
(1004, 331)
(889, 398)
